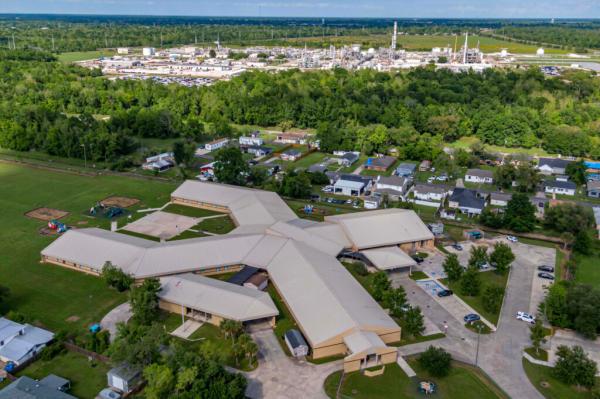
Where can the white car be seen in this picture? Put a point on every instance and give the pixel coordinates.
(525, 317)
(512, 238)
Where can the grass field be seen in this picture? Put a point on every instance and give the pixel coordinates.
(309, 160)
(189, 211)
(426, 42)
(218, 225)
(87, 379)
(48, 294)
(463, 382)
(553, 389)
(84, 55)
(487, 279)
(467, 141)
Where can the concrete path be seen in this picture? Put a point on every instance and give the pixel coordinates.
(406, 367)
(186, 329)
(280, 377)
(120, 314)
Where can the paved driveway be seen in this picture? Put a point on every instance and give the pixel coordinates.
(120, 314)
(280, 377)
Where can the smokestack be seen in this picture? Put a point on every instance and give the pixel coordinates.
(466, 48)
(395, 35)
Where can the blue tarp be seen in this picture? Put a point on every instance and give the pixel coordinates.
(592, 165)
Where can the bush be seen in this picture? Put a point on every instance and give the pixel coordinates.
(492, 299)
(436, 361)
(18, 317)
(359, 269)
(116, 278)
(575, 367)
(52, 350)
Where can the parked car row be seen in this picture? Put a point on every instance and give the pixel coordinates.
(546, 272)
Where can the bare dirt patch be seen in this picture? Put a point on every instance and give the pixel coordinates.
(47, 231)
(121, 202)
(73, 319)
(46, 214)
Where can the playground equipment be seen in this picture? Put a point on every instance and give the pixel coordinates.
(10, 367)
(94, 328)
(107, 211)
(427, 387)
(308, 209)
(59, 227)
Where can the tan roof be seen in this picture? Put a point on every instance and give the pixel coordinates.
(363, 341)
(381, 228)
(389, 258)
(217, 297)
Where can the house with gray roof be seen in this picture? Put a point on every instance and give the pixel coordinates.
(405, 169)
(430, 192)
(352, 185)
(553, 166)
(468, 201)
(50, 387)
(560, 187)
(394, 186)
(500, 199)
(21, 342)
(479, 176)
(593, 188)
(348, 158)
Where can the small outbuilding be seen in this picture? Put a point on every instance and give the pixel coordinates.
(124, 378)
(296, 343)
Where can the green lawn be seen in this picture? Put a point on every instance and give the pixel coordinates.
(87, 379)
(487, 279)
(321, 209)
(541, 377)
(49, 294)
(218, 225)
(190, 211)
(588, 267)
(463, 382)
(310, 159)
(540, 354)
(467, 141)
(418, 275)
(84, 55)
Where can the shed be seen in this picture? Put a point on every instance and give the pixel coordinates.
(55, 382)
(296, 343)
(124, 378)
(258, 281)
(243, 275)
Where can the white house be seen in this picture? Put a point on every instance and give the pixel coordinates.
(430, 192)
(372, 202)
(479, 176)
(216, 144)
(500, 199)
(124, 378)
(253, 141)
(553, 166)
(292, 138)
(560, 187)
(347, 158)
(290, 155)
(394, 186)
(21, 342)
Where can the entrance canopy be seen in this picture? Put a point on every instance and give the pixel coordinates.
(389, 258)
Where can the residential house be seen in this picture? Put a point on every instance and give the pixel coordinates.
(500, 199)
(21, 342)
(216, 144)
(394, 186)
(251, 141)
(553, 166)
(352, 185)
(593, 188)
(468, 201)
(259, 151)
(379, 163)
(406, 169)
(160, 162)
(560, 187)
(333, 176)
(592, 171)
(292, 138)
(430, 192)
(291, 155)
(424, 166)
(479, 176)
(348, 158)
(49, 387)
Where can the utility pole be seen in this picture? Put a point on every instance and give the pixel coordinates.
(478, 336)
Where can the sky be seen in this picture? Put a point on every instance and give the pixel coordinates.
(317, 8)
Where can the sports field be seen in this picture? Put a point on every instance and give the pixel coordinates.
(47, 294)
(84, 55)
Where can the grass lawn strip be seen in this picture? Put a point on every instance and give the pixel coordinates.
(190, 211)
(218, 225)
(542, 379)
(463, 382)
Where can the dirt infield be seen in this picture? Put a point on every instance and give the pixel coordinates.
(121, 202)
(46, 214)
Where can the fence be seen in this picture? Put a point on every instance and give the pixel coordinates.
(93, 355)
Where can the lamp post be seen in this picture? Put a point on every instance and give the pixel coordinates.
(478, 336)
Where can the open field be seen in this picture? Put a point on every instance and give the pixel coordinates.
(463, 382)
(84, 55)
(467, 141)
(51, 294)
(554, 389)
(426, 42)
(87, 379)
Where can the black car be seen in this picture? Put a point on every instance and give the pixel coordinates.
(545, 268)
(545, 275)
(417, 259)
(444, 293)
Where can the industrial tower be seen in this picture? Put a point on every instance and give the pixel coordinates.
(395, 35)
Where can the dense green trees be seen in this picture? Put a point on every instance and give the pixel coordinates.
(453, 268)
(64, 110)
(115, 277)
(144, 301)
(436, 361)
(573, 305)
(520, 214)
(574, 367)
(230, 166)
(501, 257)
